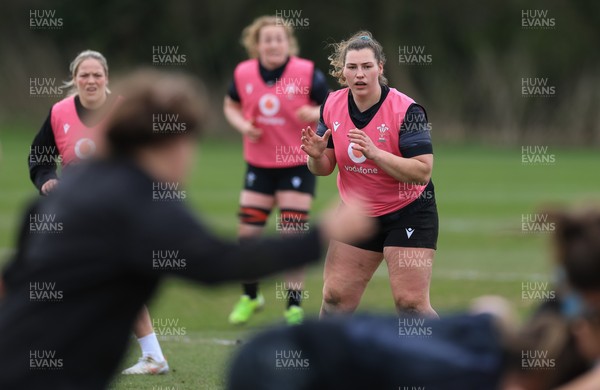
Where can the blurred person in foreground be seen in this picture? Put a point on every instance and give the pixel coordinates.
(482, 350)
(578, 253)
(71, 134)
(85, 262)
(558, 347)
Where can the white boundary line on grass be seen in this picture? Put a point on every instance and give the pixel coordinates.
(459, 274)
(488, 276)
(477, 275)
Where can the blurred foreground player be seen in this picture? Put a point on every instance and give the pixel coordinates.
(578, 253)
(455, 352)
(84, 264)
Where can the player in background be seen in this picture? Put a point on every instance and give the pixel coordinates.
(380, 140)
(71, 134)
(273, 95)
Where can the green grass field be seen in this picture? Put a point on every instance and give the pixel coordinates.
(482, 193)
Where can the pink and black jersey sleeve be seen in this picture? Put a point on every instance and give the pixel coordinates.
(415, 133)
(42, 156)
(322, 127)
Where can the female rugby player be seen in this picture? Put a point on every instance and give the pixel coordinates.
(69, 135)
(273, 94)
(379, 138)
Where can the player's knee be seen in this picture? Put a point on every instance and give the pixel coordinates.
(255, 216)
(334, 300)
(412, 305)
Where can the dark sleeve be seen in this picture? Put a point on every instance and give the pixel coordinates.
(12, 268)
(208, 259)
(415, 137)
(322, 128)
(43, 155)
(319, 89)
(232, 92)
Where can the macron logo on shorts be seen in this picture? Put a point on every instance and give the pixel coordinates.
(296, 181)
(409, 232)
(250, 178)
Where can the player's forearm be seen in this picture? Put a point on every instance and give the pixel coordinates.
(315, 113)
(43, 155)
(321, 166)
(255, 259)
(235, 117)
(408, 170)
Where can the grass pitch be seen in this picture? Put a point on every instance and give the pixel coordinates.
(483, 194)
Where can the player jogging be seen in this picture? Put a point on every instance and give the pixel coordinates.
(70, 135)
(273, 95)
(379, 138)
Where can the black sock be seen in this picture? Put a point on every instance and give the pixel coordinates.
(294, 297)
(251, 289)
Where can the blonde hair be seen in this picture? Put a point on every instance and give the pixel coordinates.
(74, 67)
(358, 41)
(250, 34)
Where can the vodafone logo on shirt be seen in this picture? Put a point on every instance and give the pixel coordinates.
(85, 148)
(269, 104)
(356, 155)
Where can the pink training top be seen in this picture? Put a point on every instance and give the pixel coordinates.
(272, 108)
(74, 140)
(360, 178)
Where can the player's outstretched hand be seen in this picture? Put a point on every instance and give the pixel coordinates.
(312, 143)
